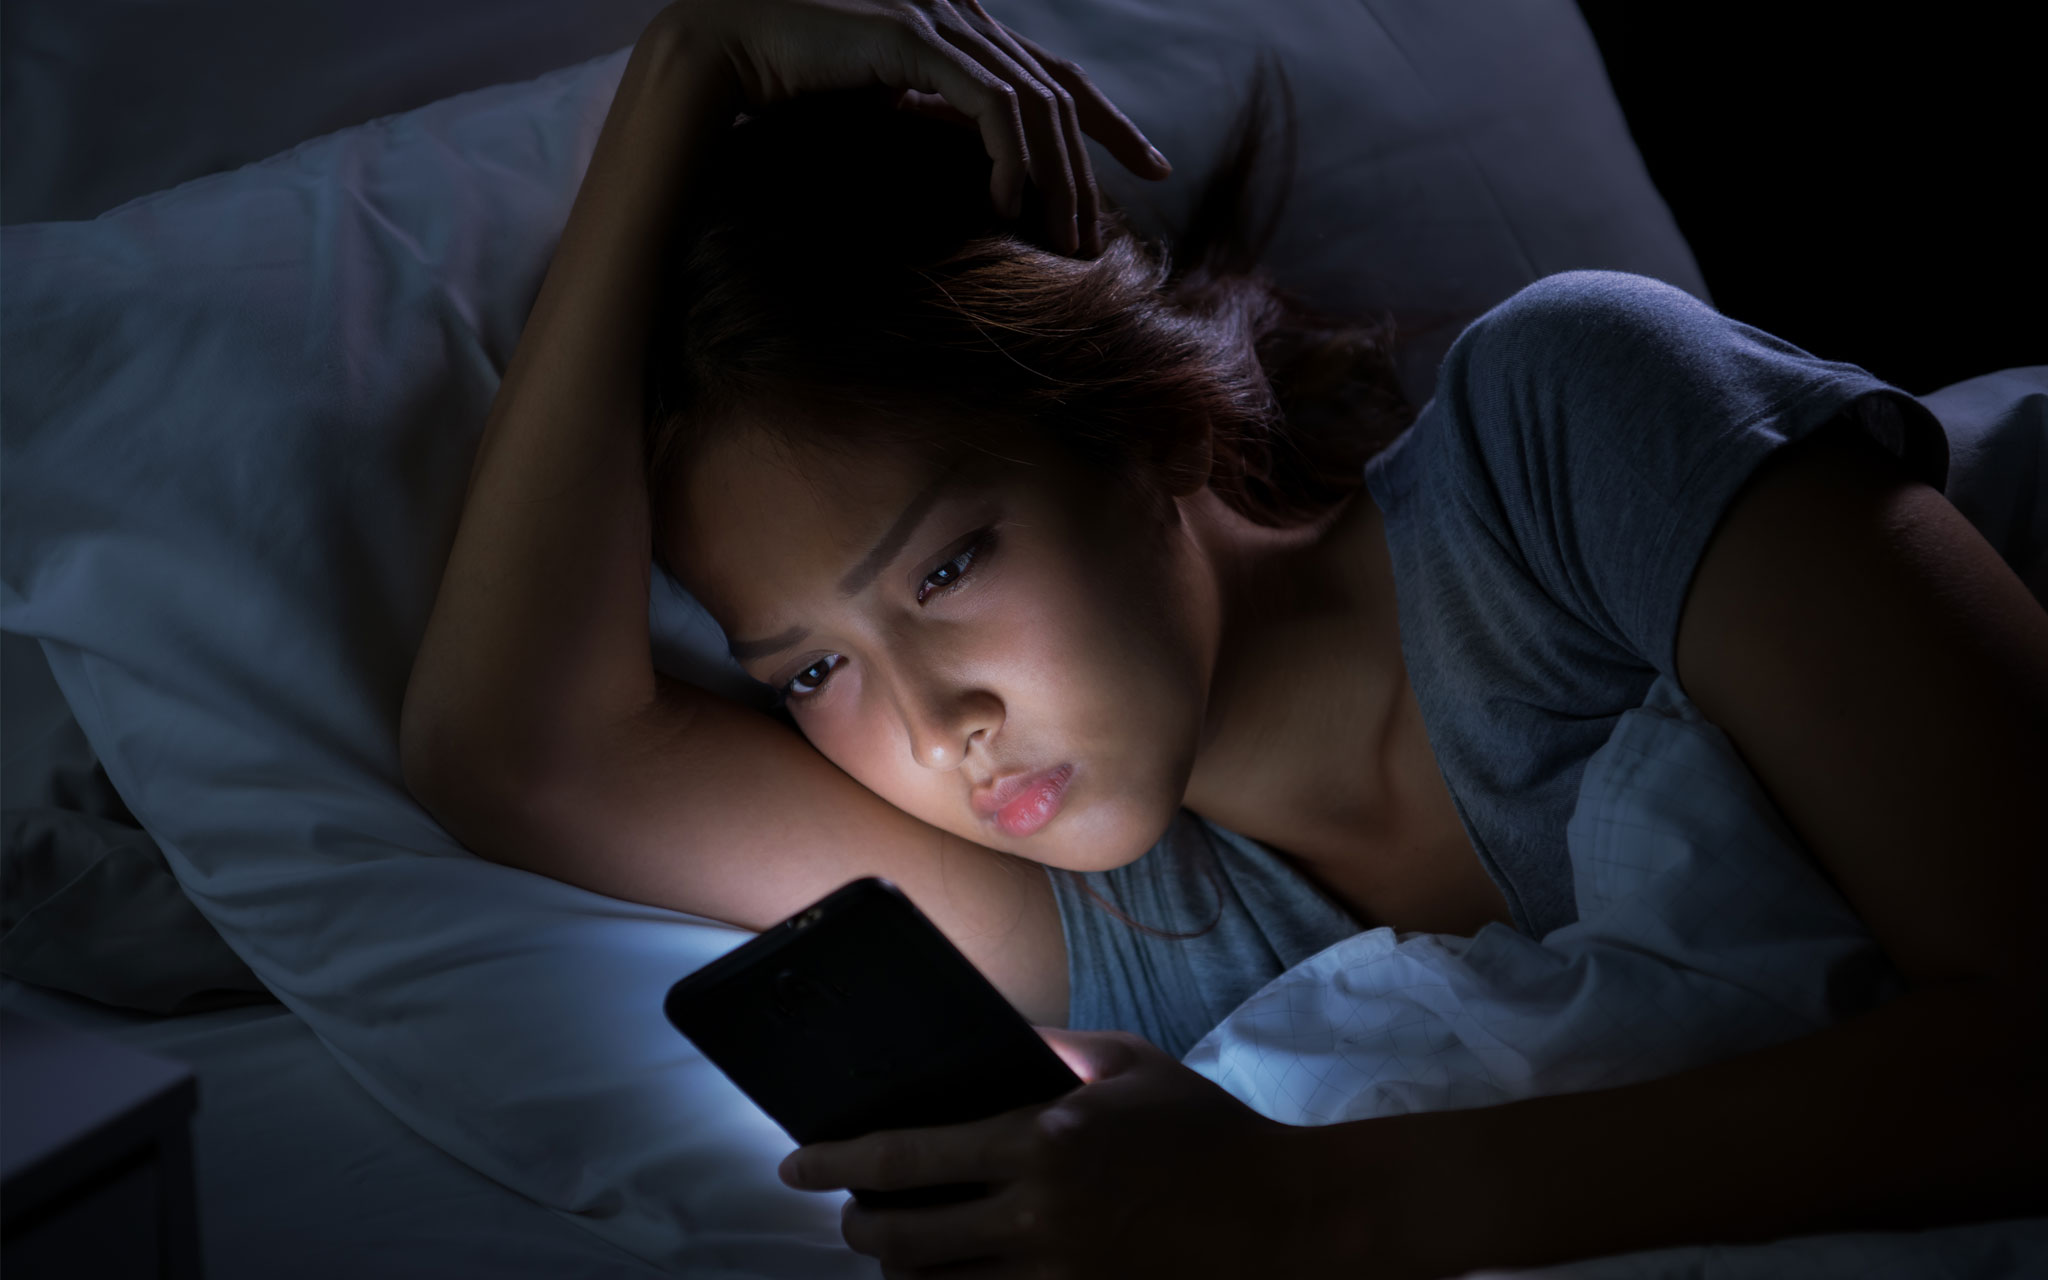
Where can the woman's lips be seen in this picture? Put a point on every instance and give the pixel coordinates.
(1022, 806)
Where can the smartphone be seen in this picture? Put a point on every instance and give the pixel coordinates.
(855, 1015)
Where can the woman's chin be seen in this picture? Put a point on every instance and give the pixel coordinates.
(1098, 837)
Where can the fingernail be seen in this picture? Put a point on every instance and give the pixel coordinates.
(1157, 158)
(788, 1172)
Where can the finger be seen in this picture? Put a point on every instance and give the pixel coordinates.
(991, 1150)
(1087, 200)
(936, 66)
(937, 1235)
(1099, 117)
(1094, 1055)
(1049, 164)
(931, 104)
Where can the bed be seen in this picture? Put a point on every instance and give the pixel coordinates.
(256, 305)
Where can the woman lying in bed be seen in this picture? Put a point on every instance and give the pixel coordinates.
(1043, 541)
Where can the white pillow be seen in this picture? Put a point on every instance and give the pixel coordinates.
(1450, 153)
(240, 417)
(1997, 427)
(239, 421)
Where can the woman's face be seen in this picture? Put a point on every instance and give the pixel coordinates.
(1016, 649)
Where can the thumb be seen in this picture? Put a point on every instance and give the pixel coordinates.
(1092, 1055)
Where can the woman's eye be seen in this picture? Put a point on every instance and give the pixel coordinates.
(812, 678)
(954, 571)
(944, 578)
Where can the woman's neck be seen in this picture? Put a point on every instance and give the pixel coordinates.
(1307, 681)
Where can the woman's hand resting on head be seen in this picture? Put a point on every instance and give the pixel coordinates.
(945, 57)
(1147, 1169)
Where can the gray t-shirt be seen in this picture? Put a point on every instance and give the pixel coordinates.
(1544, 516)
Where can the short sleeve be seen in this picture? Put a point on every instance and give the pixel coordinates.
(1602, 423)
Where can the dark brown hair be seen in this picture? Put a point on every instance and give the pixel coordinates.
(845, 260)
(844, 271)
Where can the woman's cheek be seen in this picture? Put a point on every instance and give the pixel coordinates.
(853, 733)
(830, 718)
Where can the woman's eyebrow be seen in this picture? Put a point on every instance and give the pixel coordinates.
(886, 549)
(890, 544)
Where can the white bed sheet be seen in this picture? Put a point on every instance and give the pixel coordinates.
(301, 1173)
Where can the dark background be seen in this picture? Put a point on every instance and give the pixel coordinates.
(1867, 187)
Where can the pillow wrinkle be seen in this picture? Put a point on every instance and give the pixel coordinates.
(91, 907)
(375, 219)
(1484, 182)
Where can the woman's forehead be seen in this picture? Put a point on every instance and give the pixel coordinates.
(811, 492)
(764, 518)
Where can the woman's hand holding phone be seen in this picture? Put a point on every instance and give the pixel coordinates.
(946, 57)
(1147, 1169)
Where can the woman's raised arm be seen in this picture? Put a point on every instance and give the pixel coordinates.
(541, 620)
(534, 726)
(540, 628)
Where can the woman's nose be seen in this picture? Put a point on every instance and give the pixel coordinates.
(942, 722)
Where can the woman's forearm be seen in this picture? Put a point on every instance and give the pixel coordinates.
(1930, 1110)
(540, 627)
